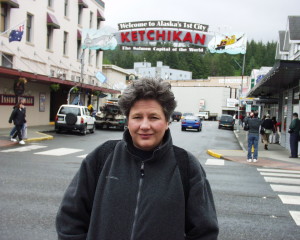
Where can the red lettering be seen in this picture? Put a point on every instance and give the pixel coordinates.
(124, 37)
(160, 35)
(142, 33)
(134, 36)
(176, 36)
(169, 35)
(200, 39)
(188, 38)
(149, 33)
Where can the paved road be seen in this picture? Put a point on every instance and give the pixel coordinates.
(251, 203)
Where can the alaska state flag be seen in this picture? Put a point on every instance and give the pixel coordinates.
(16, 34)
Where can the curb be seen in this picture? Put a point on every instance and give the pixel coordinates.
(45, 137)
(213, 154)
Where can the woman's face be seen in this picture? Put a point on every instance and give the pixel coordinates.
(147, 124)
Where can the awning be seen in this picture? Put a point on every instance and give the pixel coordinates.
(78, 34)
(83, 3)
(100, 15)
(32, 77)
(12, 3)
(52, 21)
(283, 75)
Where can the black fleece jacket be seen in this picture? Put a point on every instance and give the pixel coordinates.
(137, 199)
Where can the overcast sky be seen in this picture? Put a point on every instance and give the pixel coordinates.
(259, 19)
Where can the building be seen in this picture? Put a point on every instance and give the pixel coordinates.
(144, 69)
(48, 61)
(278, 90)
(215, 94)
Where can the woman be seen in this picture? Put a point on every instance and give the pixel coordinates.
(18, 117)
(139, 191)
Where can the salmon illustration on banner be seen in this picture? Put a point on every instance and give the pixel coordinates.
(98, 39)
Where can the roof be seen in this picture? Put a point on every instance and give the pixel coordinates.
(294, 28)
(283, 75)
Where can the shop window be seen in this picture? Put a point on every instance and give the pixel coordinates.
(296, 100)
(7, 60)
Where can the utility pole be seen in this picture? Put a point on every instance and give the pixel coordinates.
(241, 91)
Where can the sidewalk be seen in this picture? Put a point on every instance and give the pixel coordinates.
(34, 133)
(276, 157)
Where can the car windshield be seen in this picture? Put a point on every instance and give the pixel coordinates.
(191, 118)
(66, 110)
(226, 118)
(188, 114)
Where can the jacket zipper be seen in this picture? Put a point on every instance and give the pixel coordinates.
(142, 172)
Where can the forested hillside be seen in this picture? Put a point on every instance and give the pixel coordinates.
(202, 65)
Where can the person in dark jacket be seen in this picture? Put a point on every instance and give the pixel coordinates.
(294, 135)
(268, 127)
(18, 117)
(253, 136)
(135, 191)
(14, 129)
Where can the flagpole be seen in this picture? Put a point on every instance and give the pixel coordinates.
(3, 33)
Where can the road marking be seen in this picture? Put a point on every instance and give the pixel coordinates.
(276, 170)
(82, 156)
(280, 174)
(290, 199)
(216, 162)
(24, 149)
(296, 216)
(285, 188)
(59, 151)
(282, 180)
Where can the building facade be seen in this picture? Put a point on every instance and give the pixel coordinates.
(48, 61)
(144, 69)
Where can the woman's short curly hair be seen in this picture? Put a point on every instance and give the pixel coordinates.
(148, 88)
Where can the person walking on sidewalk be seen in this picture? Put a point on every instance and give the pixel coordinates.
(18, 117)
(24, 127)
(254, 124)
(268, 128)
(140, 187)
(294, 135)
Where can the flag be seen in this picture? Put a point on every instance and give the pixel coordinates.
(16, 34)
(101, 78)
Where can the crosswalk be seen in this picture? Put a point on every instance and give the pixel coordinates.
(52, 152)
(286, 183)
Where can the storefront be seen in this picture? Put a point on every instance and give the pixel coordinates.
(280, 85)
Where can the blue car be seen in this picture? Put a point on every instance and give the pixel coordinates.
(191, 122)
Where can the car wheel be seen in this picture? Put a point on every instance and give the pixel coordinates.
(182, 129)
(57, 130)
(92, 130)
(83, 131)
(219, 127)
(71, 119)
(198, 129)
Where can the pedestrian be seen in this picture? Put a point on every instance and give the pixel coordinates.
(268, 127)
(294, 135)
(274, 137)
(136, 188)
(14, 129)
(253, 136)
(18, 117)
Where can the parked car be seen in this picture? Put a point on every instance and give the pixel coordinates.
(186, 114)
(226, 121)
(191, 122)
(74, 117)
(176, 116)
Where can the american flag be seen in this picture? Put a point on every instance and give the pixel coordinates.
(17, 33)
